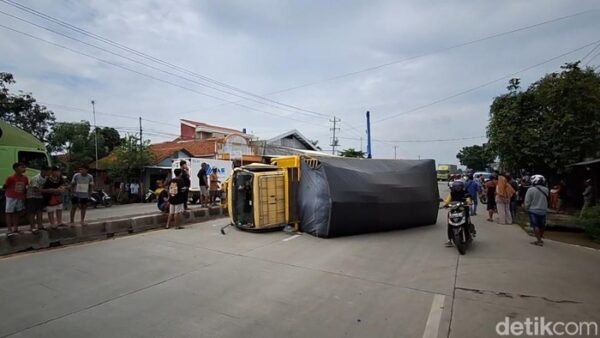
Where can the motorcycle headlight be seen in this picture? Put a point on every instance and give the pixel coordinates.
(456, 214)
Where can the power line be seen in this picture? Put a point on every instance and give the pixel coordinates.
(146, 56)
(153, 67)
(484, 84)
(163, 123)
(421, 141)
(590, 52)
(150, 76)
(441, 50)
(592, 59)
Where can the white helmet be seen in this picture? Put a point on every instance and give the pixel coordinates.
(538, 180)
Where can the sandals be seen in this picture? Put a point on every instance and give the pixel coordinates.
(538, 243)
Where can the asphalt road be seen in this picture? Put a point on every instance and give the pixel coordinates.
(198, 283)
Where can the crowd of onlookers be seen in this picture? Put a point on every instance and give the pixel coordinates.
(45, 192)
(50, 191)
(175, 197)
(503, 195)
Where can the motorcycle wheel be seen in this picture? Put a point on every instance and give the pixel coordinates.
(108, 204)
(483, 199)
(459, 242)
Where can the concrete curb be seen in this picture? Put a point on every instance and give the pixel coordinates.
(98, 230)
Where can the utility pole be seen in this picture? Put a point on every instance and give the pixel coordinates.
(141, 136)
(95, 138)
(369, 154)
(395, 147)
(334, 140)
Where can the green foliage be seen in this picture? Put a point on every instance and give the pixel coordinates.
(109, 138)
(590, 221)
(476, 157)
(130, 159)
(22, 111)
(351, 152)
(554, 123)
(77, 141)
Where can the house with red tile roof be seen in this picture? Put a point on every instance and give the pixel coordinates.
(202, 140)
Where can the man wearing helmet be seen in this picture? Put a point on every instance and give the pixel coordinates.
(458, 193)
(536, 204)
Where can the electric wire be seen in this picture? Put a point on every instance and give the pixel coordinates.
(485, 84)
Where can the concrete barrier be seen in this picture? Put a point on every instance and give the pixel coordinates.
(97, 230)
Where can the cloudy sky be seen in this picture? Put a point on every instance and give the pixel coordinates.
(292, 55)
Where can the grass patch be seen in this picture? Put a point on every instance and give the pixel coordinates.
(570, 235)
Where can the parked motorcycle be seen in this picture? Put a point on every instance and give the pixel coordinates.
(100, 197)
(462, 231)
(150, 196)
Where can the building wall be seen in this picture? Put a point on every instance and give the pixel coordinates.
(203, 135)
(168, 161)
(236, 146)
(292, 142)
(187, 132)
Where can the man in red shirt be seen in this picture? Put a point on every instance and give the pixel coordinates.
(15, 197)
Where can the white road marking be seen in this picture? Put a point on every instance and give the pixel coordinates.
(435, 316)
(290, 238)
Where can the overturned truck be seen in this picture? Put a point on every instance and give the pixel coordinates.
(331, 197)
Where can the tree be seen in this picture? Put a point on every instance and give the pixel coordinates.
(110, 139)
(22, 111)
(78, 142)
(554, 123)
(351, 152)
(476, 157)
(129, 159)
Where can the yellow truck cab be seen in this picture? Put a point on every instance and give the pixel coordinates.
(261, 196)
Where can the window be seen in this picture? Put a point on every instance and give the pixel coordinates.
(33, 159)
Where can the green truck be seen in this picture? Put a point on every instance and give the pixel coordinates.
(444, 171)
(17, 145)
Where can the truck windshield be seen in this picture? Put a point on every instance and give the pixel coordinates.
(33, 159)
(443, 171)
(242, 195)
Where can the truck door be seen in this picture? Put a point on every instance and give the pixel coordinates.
(271, 204)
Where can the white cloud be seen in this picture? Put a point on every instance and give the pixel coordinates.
(265, 46)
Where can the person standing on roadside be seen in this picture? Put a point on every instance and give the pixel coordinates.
(536, 203)
(82, 184)
(588, 196)
(185, 177)
(514, 199)
(15, 187)
(53, 190)
(35, 199)
(474, 189)
(177, 194)
(202, 173)
(490, 187)
(504, 193)
(214, 186)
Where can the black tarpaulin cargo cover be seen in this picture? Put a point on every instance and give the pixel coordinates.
(343, 196)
